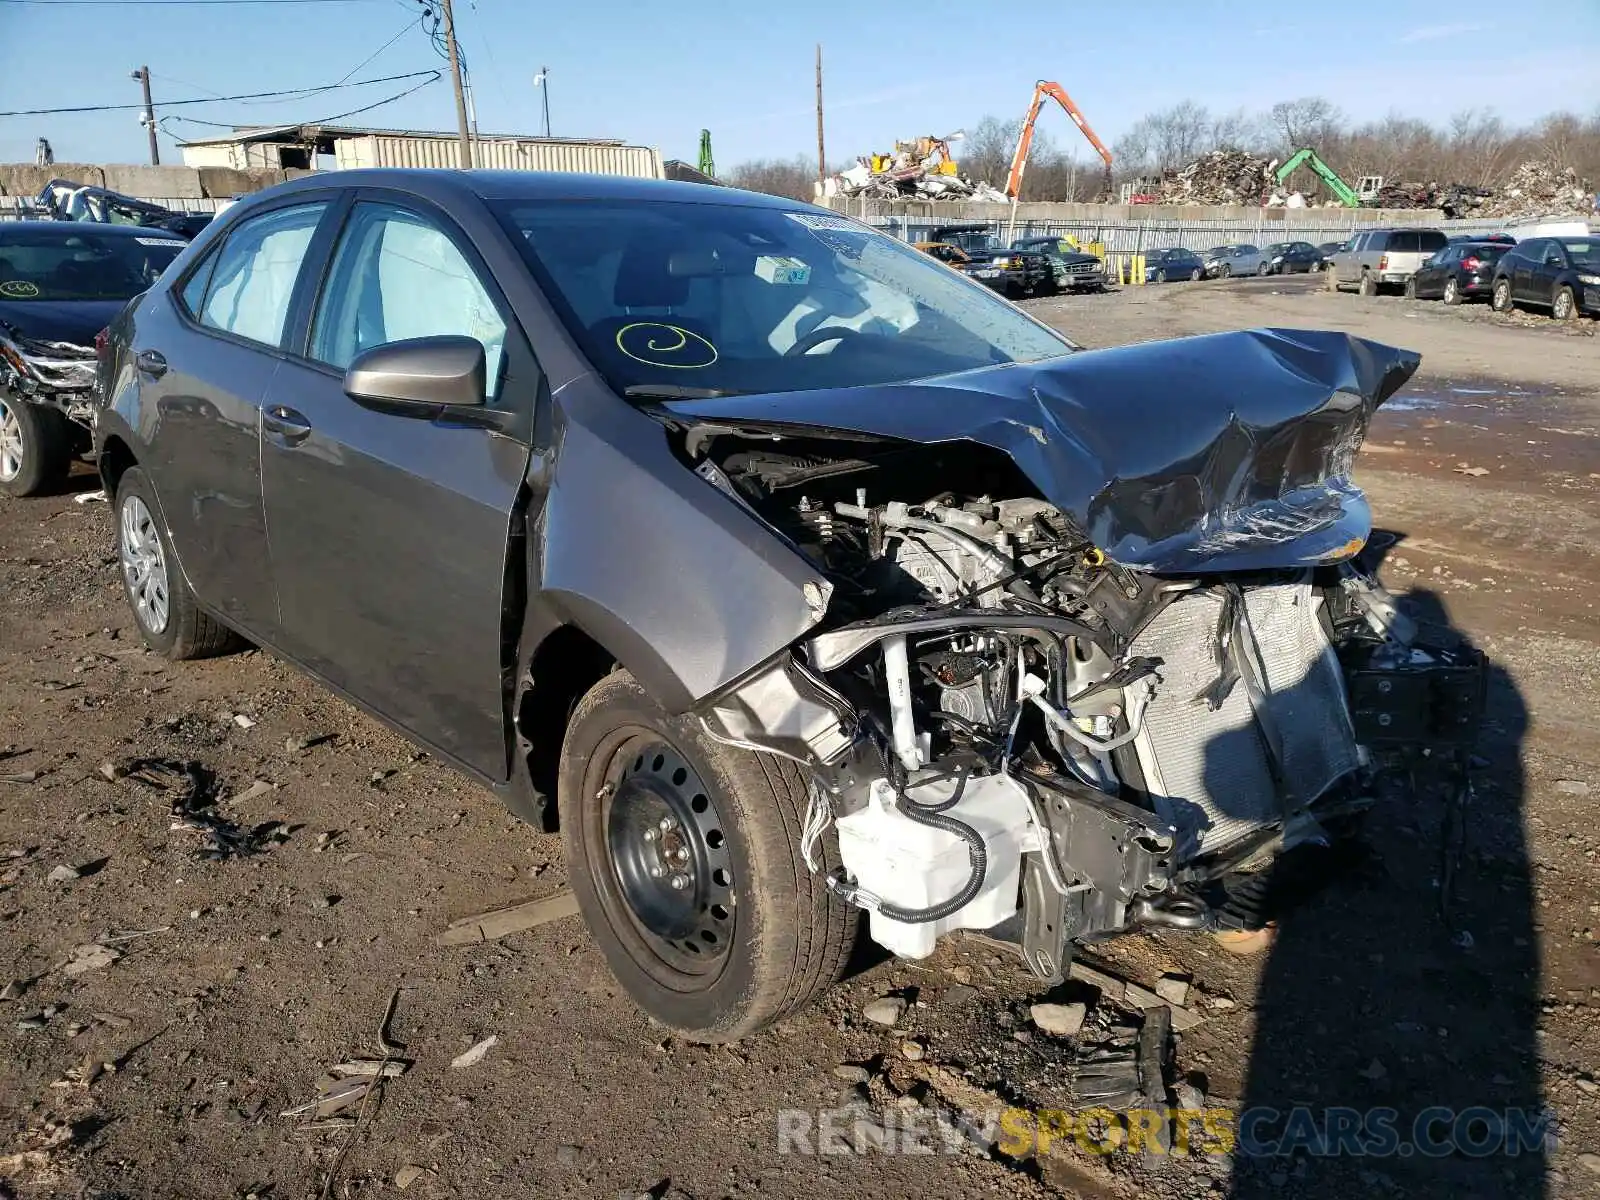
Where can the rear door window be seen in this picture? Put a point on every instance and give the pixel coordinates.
(256, 270)
(1430, 241)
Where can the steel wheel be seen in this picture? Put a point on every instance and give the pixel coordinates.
(10, 443)
(144, 566)
(669, 855)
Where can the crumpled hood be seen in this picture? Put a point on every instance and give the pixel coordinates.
(75, 321)
(1230, 451)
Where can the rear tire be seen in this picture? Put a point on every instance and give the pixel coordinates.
(1500, 298)
(1161, 276)
(751, 935)
(1452, 291)
(1368, 285)
(169, 620)
(1565, 305)
(1194, 275)
(35, 448)
(1411, 288)
(1263, 269)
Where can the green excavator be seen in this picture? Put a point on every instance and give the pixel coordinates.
(1346, 194)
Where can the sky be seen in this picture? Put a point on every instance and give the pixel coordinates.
(656, 73)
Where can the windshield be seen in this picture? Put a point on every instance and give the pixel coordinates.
(75, 263)
(692, 299)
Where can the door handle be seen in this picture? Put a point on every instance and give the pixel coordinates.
(290, 425)
(152, 363)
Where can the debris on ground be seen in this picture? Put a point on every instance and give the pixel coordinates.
(63, 874)
(1474, 472)
(490, 926)
(476, 1054)
(90, 957)
(1540, 188)
(192, 790)
(347, 1083)
(406, 1176)
(1174, 989)
(885, 1011)
(19, 777)
(1059, 1020)
(1132, 994)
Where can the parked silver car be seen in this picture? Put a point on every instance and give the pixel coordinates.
(1239, 259)
(1379, 258)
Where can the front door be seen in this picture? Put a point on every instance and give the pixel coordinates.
(389, 534)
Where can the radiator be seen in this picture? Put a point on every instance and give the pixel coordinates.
(1209, 773)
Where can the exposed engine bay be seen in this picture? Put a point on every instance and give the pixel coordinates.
(58, 374)
(1011, 731)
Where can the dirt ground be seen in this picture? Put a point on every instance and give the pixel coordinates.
(242, 979)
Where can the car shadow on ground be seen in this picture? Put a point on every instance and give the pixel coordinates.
(1395, 1049)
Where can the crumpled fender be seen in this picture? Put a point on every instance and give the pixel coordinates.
(688, 589)
(1226, 452)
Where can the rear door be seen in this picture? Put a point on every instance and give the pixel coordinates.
(204, 363)
(390, 533)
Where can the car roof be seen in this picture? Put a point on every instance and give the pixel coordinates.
(67, 228)
(440, 184)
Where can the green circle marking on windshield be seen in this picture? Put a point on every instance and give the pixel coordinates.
(657, 344)
(19, 289)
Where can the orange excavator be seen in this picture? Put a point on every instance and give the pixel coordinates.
(1042, 91)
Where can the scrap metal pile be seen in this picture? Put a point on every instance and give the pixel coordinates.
(921, 169)
(1220, 177)
(1537, 188)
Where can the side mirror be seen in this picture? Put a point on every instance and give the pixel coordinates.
(419, 376)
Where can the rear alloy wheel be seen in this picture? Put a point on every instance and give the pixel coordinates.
(1565, 305)
(35, 448)
(1452, 291)
(1369, 285)
(684, 854)
(1500, 298)
(169, 620)
(1263, 269)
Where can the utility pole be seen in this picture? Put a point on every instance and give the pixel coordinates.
(455, 79)
(822, 156)
(148, 117)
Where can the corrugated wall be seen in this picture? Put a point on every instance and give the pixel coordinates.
(640, 162)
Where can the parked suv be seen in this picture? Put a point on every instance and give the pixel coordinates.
(1379, 258)
(747, 545)
(1558, 273)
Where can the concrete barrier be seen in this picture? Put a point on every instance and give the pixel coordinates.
(167, 185)
(25, 179)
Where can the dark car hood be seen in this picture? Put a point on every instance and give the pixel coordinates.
(1231, 451)
(1073, 259)
(75, 321)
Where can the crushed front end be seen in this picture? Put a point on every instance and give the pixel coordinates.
(55, 374)
(1100, 641)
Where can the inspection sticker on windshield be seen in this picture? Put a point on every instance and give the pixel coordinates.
(19, 289)
(774, 269)
(823, 221)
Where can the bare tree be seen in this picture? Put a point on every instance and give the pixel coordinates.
(1308, 121)
(793, 177)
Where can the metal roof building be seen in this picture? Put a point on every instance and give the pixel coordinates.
(303, 147)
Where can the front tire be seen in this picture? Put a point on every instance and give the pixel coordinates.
(35, 448)
(1411, 288)
(1369, 285)
(1500, 298)
(685, 858)
(1565, 305)
(1161, 276)
(169, 620)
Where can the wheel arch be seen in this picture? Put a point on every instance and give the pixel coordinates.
(116, 457)
(555, 674)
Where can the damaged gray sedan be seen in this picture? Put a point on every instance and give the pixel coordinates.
(792, 575)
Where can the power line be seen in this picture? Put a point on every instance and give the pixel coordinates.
(404, 29)
(296, 92)
(170, 3)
